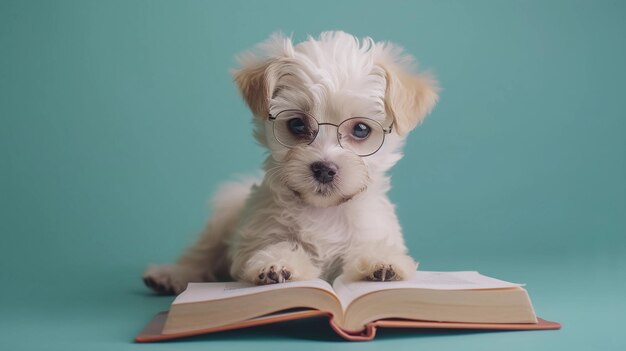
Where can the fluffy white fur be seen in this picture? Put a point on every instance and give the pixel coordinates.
(287, 225)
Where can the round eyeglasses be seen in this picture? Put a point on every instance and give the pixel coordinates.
(361, 135)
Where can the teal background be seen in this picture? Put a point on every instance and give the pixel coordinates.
(118, 119)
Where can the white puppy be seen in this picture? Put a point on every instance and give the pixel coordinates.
(333, 112)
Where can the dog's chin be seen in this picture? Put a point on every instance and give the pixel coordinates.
(325, 196)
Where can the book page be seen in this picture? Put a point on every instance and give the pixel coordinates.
(197, 292)
(348, 291)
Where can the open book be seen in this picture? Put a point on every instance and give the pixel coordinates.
(466, 300)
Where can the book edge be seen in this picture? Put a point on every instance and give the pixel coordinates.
(152, 331)
(328, 292)
(370, 332)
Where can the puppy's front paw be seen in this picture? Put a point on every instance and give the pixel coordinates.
(169, 279)
(374, 268)
(278, 263)
(384, 273)
(273, 275)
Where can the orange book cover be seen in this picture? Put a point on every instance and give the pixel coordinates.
(152, 331)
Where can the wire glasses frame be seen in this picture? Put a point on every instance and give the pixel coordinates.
(361, 135)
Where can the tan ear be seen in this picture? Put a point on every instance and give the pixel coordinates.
(255, 86)
(409, 97)
(256, 78)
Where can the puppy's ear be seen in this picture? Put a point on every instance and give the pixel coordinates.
(409, 97)
(255, 86)
(255, 78)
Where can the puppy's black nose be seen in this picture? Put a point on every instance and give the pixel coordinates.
(324, 172)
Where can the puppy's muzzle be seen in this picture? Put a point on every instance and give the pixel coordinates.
(324, 172)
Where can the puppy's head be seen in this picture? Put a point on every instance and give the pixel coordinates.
(333, 111)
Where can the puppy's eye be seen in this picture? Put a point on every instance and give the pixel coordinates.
(361, 131)
(296, 126)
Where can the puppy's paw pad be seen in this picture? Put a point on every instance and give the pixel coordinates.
(273, 275)
(167, 279)
(159, 288)
(383, 273)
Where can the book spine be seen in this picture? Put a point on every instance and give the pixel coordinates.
(366, 335)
